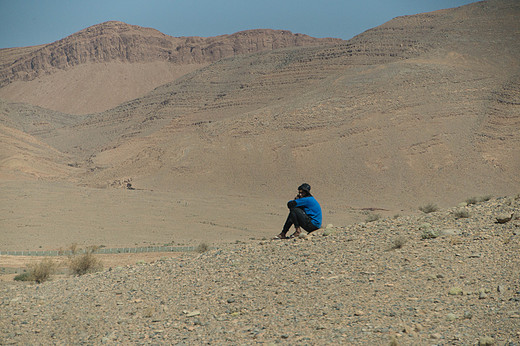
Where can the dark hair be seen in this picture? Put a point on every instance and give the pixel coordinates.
(305, 187)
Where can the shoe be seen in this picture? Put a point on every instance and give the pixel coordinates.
(295, 234)
(281, 236)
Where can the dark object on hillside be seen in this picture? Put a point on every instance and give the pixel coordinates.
(504, 218)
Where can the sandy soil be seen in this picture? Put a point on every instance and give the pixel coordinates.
(120, 82)
(37, 215)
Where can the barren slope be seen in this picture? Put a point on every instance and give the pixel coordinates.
(421, 108)
(109, 63)
(23, 154)
(367, 284)
(24, 157)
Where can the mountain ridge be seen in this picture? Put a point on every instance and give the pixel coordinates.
(115, 40)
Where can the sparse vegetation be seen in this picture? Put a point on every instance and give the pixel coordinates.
(43, 270)
(372, 217)
(485, 198)
(461, 214)
(398, 242)
(472, 200)
(475, 200)
(39, 272)
(81, 264)
(26, 276)
(429, 208)
(203, 247)
(74, 248)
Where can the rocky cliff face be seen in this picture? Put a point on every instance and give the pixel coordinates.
(116, 41)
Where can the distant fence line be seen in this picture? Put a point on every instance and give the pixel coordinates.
(103, 251)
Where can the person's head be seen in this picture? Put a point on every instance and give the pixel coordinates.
(304, 190)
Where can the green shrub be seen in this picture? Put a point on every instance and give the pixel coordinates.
(23, 277)
(429, 208)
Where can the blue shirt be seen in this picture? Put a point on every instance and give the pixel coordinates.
(312, 208)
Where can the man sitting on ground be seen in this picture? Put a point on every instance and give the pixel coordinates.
(304, 212)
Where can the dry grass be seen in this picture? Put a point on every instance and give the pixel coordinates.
(429, 208)
(87, 262)
(39, 272)
(203, 247)
(475, 200)
(372, 217)
(461, 214)
(398, 243)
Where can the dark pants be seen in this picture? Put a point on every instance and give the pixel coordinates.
(298, 218)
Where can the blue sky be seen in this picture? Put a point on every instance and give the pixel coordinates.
(32, 22)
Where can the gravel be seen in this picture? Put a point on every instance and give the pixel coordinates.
(351, 286)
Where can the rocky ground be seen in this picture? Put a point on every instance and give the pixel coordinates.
(450, 277)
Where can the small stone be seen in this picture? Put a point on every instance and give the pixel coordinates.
(231, 300)
(191, 313)
(451, 317)
(359, 313)
(328, 232)
(450, 232)
(468, 315)
(436, 336)
(455, 291)
(486, 341)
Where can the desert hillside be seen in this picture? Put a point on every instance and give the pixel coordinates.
(421, 109)
(409, 135)
(447, 277)
(109, 63)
